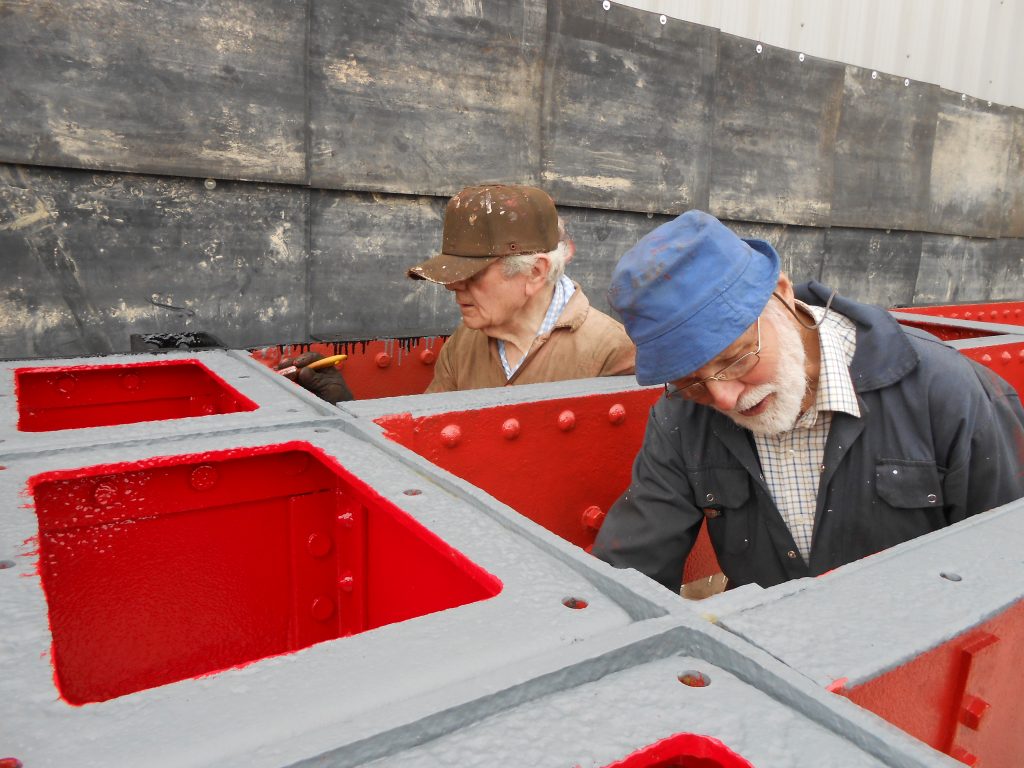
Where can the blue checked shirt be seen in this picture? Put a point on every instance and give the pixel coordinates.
(564, 289)
(792, 462)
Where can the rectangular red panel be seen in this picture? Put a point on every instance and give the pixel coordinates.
(175, 567)
(82, 396)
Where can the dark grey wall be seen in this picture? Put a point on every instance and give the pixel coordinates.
(265, 170)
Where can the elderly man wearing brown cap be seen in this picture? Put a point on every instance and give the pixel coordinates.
(523, 321)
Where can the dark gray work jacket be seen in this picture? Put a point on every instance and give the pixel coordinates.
(939, 438)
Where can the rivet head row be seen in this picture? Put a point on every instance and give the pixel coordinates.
(451, 435)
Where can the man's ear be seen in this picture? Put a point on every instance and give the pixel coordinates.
(538, 275)
(784, 287)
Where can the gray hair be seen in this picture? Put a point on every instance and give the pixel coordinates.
(523, 262)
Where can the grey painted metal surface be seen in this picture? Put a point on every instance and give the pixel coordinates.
(983, 551)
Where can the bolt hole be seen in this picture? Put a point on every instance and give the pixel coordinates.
(412, 491)
(5, 564)
(292, 410)
(320, 430)
(949, 576)
(575, 603)
(694, 679)
(244, 376)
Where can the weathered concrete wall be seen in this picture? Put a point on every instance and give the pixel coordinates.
(259, 170)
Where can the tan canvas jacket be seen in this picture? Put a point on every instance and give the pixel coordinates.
(584, 343)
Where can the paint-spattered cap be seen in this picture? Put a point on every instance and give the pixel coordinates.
(484, 223)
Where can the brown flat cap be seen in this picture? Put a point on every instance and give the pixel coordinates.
(484, 223)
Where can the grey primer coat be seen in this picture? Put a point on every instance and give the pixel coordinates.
(940, 438)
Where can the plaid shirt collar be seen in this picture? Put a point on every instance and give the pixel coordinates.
(837, 339)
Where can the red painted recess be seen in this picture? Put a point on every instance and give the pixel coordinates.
(170, 568)
(379, 368)
(1006, 312)
(963, 697)
(561, 463)
(684, 750)
(74, 397)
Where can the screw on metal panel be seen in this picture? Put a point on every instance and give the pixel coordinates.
(210, 183)
(759, 48)
(973, 710)
(451, 435)
(510, 429)
(319, 544)
(346, 582)
(990, 103)
(663, 19)
(617, 413)
(203, 478)
(5, 564)
(428, 357)
(801, 57)
(322, 608)
(963, 97)
(950, 576)
(694, 679)
(566, 421)
(593, 517)
(874, 75)
(906, 81)
(383, 359)
(606, 5)
(412, 491)
(575, 603)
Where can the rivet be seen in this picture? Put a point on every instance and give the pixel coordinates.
(874, 75)
(203, 478)
(5, 564)
(759, 48)
(968, 315)
(104, 494)
(606, 5)
(906, 81)
(593, 517)
(993, 314)
(986, 359)
(131, 381)
(322, 608)
(428, 357)
(955, 315)
(210, 183)
(66, 384)
(10, 762)
(510, 429)
(319, 545)
(346, 519)
(617, 413)
(566, 421)
(801, 57)
(383, 359)
(932, 498)
(664, 20)
(1020, 356)
(346, 582)
(451, 435)
(1006, 357)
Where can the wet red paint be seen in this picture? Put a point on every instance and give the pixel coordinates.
(684, 750)
(182, 566)
(962, 697)
(551, 474)
(75, 397)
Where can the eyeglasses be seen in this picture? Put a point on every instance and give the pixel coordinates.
(737, 369)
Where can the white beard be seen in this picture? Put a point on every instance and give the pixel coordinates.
(789, 386)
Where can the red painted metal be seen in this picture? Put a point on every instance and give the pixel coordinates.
(1005, 312)
(180, 566)
(381, 368)
(684, 750)
(946, 332)
(1006, 359)
(553, 461)
(73, 397)
(963, 697)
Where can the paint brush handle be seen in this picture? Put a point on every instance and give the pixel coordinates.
(323, 362)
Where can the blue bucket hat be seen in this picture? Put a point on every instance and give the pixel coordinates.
(687, 291)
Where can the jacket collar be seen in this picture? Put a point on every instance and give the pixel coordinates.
(884, 354)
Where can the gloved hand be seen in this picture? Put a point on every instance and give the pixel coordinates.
(326, 383)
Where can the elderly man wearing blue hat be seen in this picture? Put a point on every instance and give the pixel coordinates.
(807, 429)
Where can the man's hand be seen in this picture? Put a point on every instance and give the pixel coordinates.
(326, 383)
